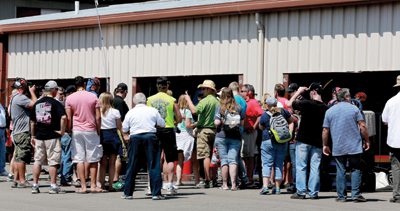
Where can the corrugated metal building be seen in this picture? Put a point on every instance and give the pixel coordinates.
(207, 38)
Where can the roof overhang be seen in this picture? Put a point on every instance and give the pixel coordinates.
(184, 12)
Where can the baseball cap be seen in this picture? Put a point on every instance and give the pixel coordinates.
(292, 87)
(122, 86)
(50, 85)
(19, 83)
(271, 101)
(70, 89)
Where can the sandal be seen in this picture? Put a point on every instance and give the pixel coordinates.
(222, 188)
(79, 191)
(234, 189)
(98, 190)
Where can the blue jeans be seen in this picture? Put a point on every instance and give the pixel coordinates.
(150, 144)
(2, 150)
(272, 155)
(66, 162)
(354, 165)
(228, 150)
(292, 153)
(305, 153)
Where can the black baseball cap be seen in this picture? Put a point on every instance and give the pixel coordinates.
(292, 87)
(70, 89)
(122, 86)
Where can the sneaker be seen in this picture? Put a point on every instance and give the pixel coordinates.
(159, 197)
(117, 185)
(126, 197)
(165, 186)
(264, 191)
(56, 190)
(14, 185)
(291, 188)
(340, 199)
(276, 191)
(35, 189)
(201, 184)
(394, 200)
(171, 190)
(4, 174)
(26, 184)
(359, 198)
(148, 192)
(316, 197)
(77, 183)
(10, 177)
(298, 196)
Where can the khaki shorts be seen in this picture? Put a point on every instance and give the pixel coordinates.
(48, 152)
(22, 142)
(205, 142)
(248, 144)
(86, 147)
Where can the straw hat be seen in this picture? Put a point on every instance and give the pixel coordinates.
(208, 84)
(398, 81)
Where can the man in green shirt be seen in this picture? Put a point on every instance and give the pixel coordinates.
(169, 111)
(205, 125)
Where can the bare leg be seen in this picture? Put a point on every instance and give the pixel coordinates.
(53, 174)
(21, 168)
(233, 170)
(93, 175)
(170, 172)
(111, 171)
(87, 167)
(207, 162)
(225, 170)
(80, 167)
(118, 167)
(179, 168)
(102, 172)
(265, 182)
(36, 173)
(278, 184)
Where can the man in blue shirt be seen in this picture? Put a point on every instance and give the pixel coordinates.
(345, 122)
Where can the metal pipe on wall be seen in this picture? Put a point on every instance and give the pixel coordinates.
(261, 45)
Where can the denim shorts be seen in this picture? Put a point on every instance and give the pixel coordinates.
(110, 141)
(228, 150)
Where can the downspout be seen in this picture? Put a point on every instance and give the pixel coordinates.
(261, 45)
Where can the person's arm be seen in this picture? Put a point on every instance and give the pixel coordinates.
(32, 90)
(33, 134)
(262, 125)
(160, 122)
(69, 118)
(364, 134)
(385, 115)
(63, 123)
(191, 106)
(300, 91)
(178, 116)
(98, 120)
(325, 142)
(126, 127)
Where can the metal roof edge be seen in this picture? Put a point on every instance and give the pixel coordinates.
(174, 13)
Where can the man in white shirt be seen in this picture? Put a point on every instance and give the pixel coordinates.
(390, 116)
(140, 124)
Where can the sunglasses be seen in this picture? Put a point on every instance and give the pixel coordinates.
(243, 91)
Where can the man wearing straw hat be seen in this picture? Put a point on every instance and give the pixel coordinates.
(390, 116)
(205, 125)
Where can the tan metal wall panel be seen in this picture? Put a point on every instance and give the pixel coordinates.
(340, 39)
(204, 46)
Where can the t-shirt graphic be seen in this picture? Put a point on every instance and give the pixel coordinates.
(43, 113)
(161, 106)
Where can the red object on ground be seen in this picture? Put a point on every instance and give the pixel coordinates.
(187, 168)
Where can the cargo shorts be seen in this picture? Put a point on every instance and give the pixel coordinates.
(22, 142)
(205, 142)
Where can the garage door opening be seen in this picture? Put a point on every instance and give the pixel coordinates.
(179, 84)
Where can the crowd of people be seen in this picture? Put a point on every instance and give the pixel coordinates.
(84, 135)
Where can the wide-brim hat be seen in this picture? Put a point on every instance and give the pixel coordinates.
(208, 84)
(398, 82)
